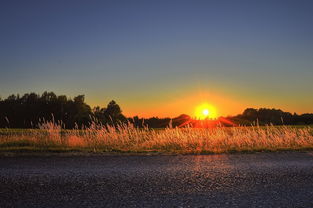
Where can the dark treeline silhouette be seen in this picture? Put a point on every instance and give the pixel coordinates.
(31, 109)
(265, 116)
(156, 122)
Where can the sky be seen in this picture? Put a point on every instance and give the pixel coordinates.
(161, 58)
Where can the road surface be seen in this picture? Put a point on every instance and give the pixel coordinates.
(235, 180)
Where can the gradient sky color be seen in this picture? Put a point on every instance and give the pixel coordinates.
(161, 58)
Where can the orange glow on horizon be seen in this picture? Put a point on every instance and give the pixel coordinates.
(175, 104)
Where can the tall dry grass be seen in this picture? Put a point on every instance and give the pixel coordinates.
(127, 138)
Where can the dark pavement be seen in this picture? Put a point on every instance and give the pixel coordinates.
(236, 180)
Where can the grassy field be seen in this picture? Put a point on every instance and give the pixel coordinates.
(128, 139)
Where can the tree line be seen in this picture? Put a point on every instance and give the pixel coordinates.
(29, 110)
(266, 116)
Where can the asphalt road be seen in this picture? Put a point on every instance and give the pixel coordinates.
(238, 180)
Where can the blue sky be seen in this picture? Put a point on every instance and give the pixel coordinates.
(151, 55)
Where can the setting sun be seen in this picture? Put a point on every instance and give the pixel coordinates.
(205, 111)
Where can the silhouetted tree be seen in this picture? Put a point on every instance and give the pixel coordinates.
(250, 114)
(270, 116)
(110, 115)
